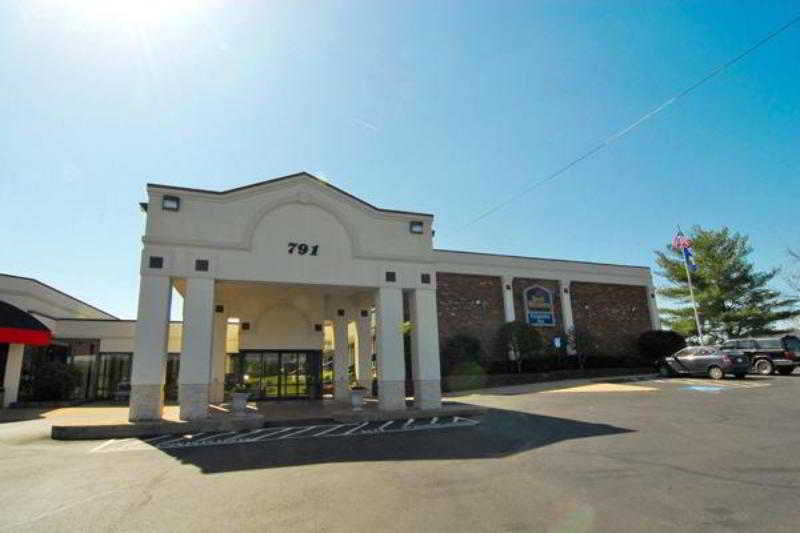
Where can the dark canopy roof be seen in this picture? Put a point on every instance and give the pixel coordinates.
(19, 327)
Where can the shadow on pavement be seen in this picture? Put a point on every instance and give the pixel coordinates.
(501, 433)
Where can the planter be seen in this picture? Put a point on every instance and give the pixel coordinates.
(357, 398)
(239, 401)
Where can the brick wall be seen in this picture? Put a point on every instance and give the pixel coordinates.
(547, 332)
(615, 315)
(469, 304)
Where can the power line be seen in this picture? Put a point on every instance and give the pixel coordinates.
(638, 122)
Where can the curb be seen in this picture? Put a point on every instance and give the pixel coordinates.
(154, 429)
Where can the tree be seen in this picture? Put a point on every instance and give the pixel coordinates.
(55, 381)
(793, 279)
(733, 299)
(658, 343)
(521, 339)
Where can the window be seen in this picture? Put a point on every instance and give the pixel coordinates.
(792, 344)
(770, 344)
(730, 345)
(539, 307)
(747, 345)
(170, 203)
(416, 226)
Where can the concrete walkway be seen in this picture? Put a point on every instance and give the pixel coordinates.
(97, 421)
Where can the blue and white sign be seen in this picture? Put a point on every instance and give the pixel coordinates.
(539, 307)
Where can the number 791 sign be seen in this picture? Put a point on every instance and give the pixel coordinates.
(302, 248)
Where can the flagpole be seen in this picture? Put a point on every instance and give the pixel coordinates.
(694, 304)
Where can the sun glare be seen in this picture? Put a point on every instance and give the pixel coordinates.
(139, 12)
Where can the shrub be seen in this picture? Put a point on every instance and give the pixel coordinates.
(55, 381)
(466, 375)
(655, 344)
(521, 339)
(460, 349)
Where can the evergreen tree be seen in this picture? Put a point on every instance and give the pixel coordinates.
(732, 298)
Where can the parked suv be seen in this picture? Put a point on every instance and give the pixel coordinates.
(767, 354)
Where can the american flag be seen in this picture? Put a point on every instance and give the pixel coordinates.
(683, 244)
(680, 241)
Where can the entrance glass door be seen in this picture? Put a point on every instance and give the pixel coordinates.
(272, 374)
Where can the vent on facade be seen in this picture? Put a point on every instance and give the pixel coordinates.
(391, 276)
(220, 308)
(170, 203)
(156, 261)
(340, 312)
(201, 265)
(364, 313)
(416, 226)
(317, 327)
(425, 278)
(508, 287)
(245, 326)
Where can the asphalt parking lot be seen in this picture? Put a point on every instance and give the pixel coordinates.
(615, 455)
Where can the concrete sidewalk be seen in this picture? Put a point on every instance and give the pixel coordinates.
(104, 421)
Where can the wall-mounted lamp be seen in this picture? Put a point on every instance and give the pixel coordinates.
(416, 226)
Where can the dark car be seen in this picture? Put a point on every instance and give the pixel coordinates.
(703, 361)
(767, 354)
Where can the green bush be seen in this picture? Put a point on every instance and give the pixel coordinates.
(522, 339)
(655, 344)
(460, 349)
(465, 376)
(55, 381)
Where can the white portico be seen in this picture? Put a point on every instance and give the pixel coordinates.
(287, 257)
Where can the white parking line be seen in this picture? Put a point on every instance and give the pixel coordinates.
(296, 432)
(262, 437)
(151, 440)
(100, 447)
(348, 432)
(212, 436)
(165, 442)
(334, 428)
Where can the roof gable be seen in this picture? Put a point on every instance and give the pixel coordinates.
(299, 177)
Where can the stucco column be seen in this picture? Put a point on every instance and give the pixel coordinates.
(216, 390)
(425, 349)
(391, 361)
(508, 298)
(198, 332)
(364, 350)
(655, 318)
(13, 373)
(341, 359)
(150, 349)
(566, 310)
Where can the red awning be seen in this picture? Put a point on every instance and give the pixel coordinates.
(19, 327)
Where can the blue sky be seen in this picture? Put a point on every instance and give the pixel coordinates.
(443, 107)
